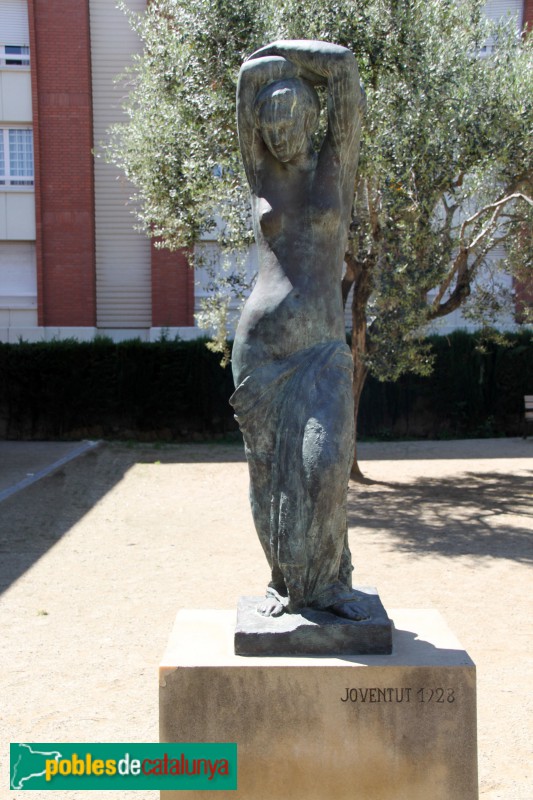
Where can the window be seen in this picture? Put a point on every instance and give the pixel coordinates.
(16, 157)
(18, 276)
(14, 34)
(14, 55)
(499, 11)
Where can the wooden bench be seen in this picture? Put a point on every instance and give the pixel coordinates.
(528, 412)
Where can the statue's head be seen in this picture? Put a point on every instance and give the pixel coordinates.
(287, 115)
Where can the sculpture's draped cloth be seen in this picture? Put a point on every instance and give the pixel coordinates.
(296, 416)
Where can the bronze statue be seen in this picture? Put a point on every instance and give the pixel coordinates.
(291, 364)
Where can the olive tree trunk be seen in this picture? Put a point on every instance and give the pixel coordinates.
(357, 277)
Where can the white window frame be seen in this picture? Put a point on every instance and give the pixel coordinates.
(8, 178)
(20, 59)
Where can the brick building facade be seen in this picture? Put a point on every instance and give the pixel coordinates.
(71, 261)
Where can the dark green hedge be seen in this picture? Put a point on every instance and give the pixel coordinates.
(476, 389)
(177, 390)
(66, 389)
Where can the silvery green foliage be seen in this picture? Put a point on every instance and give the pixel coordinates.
(446, 168)
(180, 146)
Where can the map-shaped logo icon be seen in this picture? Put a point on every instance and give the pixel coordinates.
(28, 764)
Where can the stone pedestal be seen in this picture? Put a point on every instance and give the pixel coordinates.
(396, 727)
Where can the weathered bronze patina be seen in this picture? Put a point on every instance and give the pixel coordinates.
(291, 364)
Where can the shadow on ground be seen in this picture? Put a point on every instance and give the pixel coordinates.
(467, 515)
(33, 520)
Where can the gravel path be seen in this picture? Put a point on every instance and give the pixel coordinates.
(98, 557)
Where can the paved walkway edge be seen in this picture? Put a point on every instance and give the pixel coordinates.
(77, 451)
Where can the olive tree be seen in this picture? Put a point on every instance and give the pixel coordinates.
(446, 166)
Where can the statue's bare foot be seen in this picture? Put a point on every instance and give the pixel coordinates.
(350, 609)
(271, 607)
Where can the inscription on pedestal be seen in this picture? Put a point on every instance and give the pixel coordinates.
(399, 695)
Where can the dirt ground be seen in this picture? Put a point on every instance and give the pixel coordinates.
(97, 558)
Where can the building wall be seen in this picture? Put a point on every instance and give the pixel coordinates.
(62, 112)
(138, 287)
(71, 262)
(122, 254)
(15, 95)
(172, 289)
(528, 13)
(18, 274)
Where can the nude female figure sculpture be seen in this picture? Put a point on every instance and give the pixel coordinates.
(291, 365)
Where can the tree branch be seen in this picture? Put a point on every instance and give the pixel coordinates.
(496, 205)
(460, 268)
